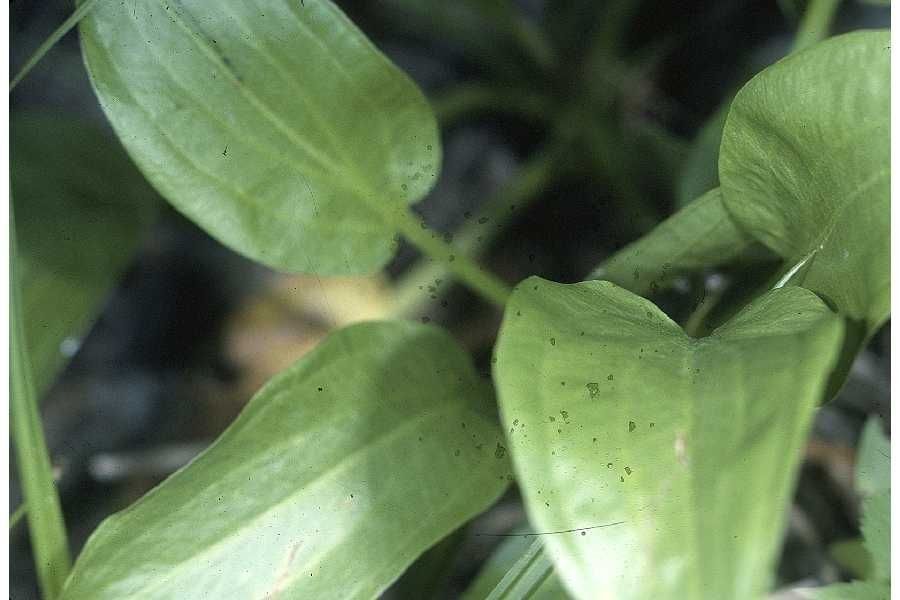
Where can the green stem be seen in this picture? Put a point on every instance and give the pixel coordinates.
(695, 326)
(465, 269)
(815, 24)
(464, 99)
(533, 41)
(17, 515)
(424, 279)
(51, 41)
(45, 520)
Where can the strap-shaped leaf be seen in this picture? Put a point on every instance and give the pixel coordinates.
(517, 559)
(700, 235)
(276, 126)
(337, 475)
(614, 414)
(805, 168)
(81, 208)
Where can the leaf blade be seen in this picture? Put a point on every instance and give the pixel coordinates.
(81, 211)
(278, 128)
(636, 394)
(824, 113)
(300, 496)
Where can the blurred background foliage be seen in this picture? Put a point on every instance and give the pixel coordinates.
(570, 128)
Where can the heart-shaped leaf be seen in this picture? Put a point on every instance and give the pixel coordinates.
(615, 415)
(805, 168)
(338, 474)
(276, 126)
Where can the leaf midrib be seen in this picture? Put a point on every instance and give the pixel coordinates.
(358, 187)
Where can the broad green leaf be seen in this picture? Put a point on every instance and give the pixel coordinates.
(876, 530)
(873, 459)
(858, 590)
(614, 414)
(804, 168)
(276, 126)
(80, 210)
(700, 235)
(338, 474)
(508, 558)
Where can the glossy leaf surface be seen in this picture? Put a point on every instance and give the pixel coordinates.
(338, 474)
(614, 414)
(276, 126)
(805, 168)
(80, 208)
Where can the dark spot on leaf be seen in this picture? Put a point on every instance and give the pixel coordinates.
(631, 426)
(500, 452)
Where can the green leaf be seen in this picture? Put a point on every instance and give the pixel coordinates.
(804, 168)
(338, 474)
(80, 210)
(858, 590)
(508, 559)
(616, 415)
(876, 530)
(700, 235)
(873, 459)
(277, 127)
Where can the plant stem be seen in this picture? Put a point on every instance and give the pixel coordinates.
(437, 250)
(533, 41)
(480, 230)
(467, 98)
(51, 41)
(17, 515)
(815, 24)
(695, 324)
(45, 521)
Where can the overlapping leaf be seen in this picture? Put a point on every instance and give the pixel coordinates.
(700, 235)
(276, 126)
(338, 474)
(614, 414)
(805, 168)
